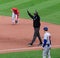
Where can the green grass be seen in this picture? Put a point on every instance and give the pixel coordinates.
(5, 1)
(49, 10)
(55, 53)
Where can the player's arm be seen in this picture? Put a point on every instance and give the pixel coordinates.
(30, 14)
(50, 39)
(18, 14)
(45, 41)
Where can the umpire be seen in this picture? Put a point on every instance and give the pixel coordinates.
(36, 25)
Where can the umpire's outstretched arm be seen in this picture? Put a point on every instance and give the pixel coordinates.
(30, 14)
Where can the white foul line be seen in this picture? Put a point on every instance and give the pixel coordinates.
(28, 48)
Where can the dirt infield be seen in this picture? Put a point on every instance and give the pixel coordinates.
(16, 37)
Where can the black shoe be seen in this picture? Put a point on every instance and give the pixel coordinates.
(30, 44)
(16, 21)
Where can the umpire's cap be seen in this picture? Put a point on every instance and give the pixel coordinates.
(45, 28)
(35, 13)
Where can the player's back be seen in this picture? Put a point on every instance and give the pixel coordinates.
(48, 36)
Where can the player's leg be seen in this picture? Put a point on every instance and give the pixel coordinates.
(45, 51)
(16, 20)
(13, 18)
(49, 56)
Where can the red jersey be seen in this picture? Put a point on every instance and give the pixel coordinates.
(15, 10)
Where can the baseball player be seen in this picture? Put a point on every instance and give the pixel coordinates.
(36, 26)
(46, 43)
(15, 15)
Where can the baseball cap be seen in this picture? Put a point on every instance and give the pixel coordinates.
(14, 9)
(45, 28)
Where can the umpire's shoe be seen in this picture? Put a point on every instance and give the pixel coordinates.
(40, 44)
(29, 44)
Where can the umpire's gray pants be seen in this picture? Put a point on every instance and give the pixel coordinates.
(36, 34)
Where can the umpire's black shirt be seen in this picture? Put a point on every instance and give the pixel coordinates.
(36, 20)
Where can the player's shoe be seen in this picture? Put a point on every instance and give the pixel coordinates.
(16, 21)
(13, 22)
